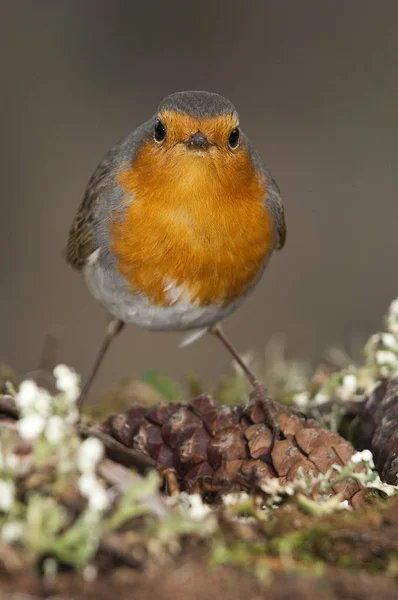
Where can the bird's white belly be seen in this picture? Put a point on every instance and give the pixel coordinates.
(109, 287)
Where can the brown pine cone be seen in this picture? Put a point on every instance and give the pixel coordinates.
(377, 429)
(213, 448)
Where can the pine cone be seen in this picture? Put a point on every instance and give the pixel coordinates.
(213, 448)
(377, 429)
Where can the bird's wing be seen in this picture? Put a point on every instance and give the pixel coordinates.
(81, 241)
(274, 201)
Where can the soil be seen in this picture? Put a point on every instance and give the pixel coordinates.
(352, 556)
(193, 581)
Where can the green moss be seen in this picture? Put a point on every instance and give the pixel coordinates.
(376, 498)
(250, 557)
(344, 561)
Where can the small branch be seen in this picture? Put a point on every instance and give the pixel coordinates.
(116, 451)
(121, 478)
(50, 350)
(8, 406)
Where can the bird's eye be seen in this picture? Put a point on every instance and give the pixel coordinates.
(233, 139)
(160, 131)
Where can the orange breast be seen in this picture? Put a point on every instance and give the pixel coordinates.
(196, 229)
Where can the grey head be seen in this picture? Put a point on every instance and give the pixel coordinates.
(198, 104)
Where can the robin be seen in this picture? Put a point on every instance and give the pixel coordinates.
(178, 223)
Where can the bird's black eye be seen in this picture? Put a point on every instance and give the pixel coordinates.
(233, 139)
(160, 131)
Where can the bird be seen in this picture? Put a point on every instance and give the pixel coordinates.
(177, 224)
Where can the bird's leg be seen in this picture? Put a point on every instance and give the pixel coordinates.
(218, 333)
(113, 328)
(271, 408)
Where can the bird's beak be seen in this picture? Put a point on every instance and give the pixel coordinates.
(197, 141)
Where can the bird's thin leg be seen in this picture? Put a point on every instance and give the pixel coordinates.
(271, 408)
(114, 327)
(218, 333)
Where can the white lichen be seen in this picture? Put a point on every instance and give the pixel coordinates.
(349, 385)
(302, 400)
(68, 382)
(393, 310)
(31, 399)
(197, 510)
(321, 398)
(7, 495)
(12, 532)
(191, 506)
(363, 457)
(389, 341)
(91, 488)
(55, 430)
(91, 451)
(235, 498)
(31, 426)
(11, 461)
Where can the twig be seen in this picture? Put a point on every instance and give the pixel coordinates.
(8, 406)
(50, 350)
(170, 478)
(121, 478)
(116, 451)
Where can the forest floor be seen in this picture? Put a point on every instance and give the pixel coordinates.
(170, 499)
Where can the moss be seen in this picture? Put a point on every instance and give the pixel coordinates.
(344, 561)
(376, 498)
(354, 540)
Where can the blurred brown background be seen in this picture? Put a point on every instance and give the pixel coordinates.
(316, 86)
